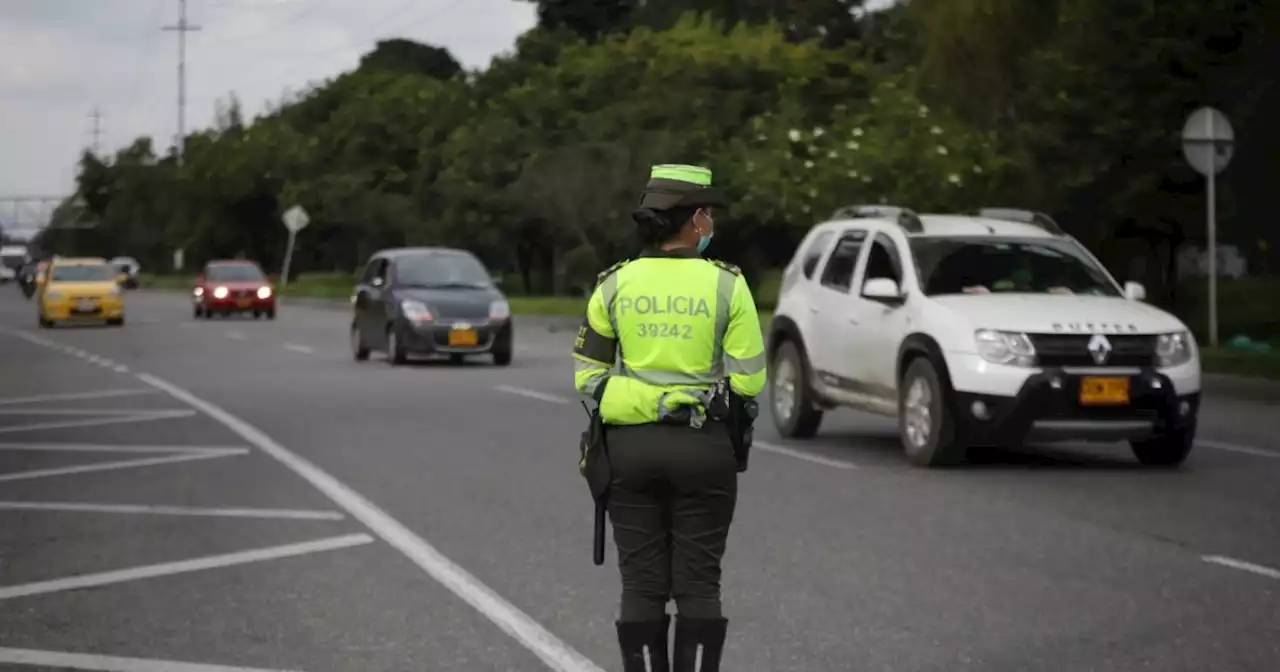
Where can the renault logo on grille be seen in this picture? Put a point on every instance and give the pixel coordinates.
(1099, 348)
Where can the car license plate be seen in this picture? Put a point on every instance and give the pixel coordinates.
(463, 337)
(1104, 391)
(244, 303)
(85, 307)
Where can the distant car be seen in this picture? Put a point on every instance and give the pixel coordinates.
(429, 301)
(79, 291)
(126, 271)
(233, 287)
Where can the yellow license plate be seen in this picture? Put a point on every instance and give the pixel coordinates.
(464, 337)
(1104, 391)
(244, 303)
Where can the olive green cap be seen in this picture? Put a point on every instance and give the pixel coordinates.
(675, 185)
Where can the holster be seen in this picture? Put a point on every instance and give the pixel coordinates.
(594, 465)
(741, 423)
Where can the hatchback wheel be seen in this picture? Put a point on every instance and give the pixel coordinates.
(395, 350)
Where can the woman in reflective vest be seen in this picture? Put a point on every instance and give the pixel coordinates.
(675, 324)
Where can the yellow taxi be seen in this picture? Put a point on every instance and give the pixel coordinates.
(77, 291)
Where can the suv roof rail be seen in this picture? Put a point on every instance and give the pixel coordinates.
(1037, 219)
(906, 217)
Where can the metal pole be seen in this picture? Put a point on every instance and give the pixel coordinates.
(182, 28)
(1211, 202)
(288, 259)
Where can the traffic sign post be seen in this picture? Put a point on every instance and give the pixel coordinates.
(1208, 143)
(295, 219)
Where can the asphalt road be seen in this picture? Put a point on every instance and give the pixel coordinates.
(315, 513)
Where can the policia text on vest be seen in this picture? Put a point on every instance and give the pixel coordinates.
(671, 352)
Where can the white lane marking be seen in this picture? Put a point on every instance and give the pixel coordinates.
(533, 394)
(120, 368)
(780, 450)
(802, 455)
(74, 396)
(111, 448)
(235, 336)
(183, 566)
(304, 349)
(1231, 447)
(558, 655)
(166, 510)
(88, 661)
(113, 466)
(126, 412)
(94, 422)
(1242, 565)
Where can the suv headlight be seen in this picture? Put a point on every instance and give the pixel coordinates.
(415, 310)
(499, 310)
(1173, 349)
(1005, 347)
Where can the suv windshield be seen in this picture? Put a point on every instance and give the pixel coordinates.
(441, 269)
(234, 273)
(85, 273)
(984, 266)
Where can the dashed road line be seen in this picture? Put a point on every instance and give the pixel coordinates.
(1242, 565)
(165, 510)
(304, 349)
(236, 336)
(1234, 448)
(88, 661)
(552, 651)
(183, 566)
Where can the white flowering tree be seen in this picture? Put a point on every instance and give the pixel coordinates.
(889, 149)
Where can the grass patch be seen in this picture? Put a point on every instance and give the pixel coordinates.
(1238, 362)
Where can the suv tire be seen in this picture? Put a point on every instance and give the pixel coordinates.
(1166, 450)
(791, 398)
(925, 425)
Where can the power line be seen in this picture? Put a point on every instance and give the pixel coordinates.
(182, 28)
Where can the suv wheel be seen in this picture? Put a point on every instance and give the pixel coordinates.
(1166, 450)
(925, 425)
(790, 396)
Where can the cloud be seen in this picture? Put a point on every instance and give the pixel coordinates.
(61, 58)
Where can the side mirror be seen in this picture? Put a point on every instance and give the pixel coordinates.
(1135, 291)
(378, 282)
(883, 290)
(497, 281)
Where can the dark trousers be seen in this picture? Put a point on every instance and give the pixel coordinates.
(671, 502)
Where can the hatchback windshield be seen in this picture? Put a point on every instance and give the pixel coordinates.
(448, 269)
(234, 273)
(984, 266)
(82, 273)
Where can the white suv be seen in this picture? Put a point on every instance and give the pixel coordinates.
(984, 330)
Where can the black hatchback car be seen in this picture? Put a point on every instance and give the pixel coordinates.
(429, 301)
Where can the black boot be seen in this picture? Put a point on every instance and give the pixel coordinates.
(644, 645)
(699, 643)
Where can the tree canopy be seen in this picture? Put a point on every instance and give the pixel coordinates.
(1068, 106)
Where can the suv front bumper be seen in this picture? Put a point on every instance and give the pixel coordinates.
(1048, 408)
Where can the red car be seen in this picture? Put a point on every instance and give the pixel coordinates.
(231, 288)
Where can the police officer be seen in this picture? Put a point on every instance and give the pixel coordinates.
(679, 324)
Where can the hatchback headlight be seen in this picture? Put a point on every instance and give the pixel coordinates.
(1005, 347)
(264, 292)
(415, 310)
(220, 292)
(1173, 349)
(499, 310)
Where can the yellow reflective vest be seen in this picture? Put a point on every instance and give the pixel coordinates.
(664, 324)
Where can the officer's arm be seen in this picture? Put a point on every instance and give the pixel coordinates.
(744, 356)
(595, 349)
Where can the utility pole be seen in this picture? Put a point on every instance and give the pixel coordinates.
(182, 28)
(97, 130)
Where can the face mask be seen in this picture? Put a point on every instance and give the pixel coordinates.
(704, 241)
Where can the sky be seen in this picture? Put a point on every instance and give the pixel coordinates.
(61, 59)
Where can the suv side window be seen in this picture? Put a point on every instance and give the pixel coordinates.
(838, 271)
(813, 253)
(883, 261)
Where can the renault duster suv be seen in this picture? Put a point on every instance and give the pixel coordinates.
(992, 329)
